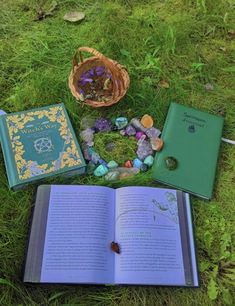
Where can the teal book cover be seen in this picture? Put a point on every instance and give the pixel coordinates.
(192, 137)
(39, 143)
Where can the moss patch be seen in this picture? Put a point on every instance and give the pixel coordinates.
(124, 148)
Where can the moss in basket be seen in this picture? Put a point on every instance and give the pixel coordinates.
(124, 148)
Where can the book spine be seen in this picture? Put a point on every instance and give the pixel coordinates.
(7, 153)
(185, 239)
(35, 249)
(165, 127)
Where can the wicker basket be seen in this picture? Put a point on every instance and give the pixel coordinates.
(120, 77)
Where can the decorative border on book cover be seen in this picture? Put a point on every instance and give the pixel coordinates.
(68, 157)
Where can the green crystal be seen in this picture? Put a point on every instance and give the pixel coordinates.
(101, 170)
(112, 164)
(149, 160)
(171, 162)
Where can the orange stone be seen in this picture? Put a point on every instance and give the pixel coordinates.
(147, 121)
(157, 144)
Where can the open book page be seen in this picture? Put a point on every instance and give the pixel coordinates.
(80, 226)
(148, 232)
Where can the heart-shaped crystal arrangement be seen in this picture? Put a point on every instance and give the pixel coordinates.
(147, 138)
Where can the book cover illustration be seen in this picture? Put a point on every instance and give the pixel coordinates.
(42, 142)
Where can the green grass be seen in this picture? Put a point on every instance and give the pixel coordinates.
(188, 43)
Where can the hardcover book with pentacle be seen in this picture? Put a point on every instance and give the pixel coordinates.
(39, 143)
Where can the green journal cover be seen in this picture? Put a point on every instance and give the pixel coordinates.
(39, 143)
(193, 138)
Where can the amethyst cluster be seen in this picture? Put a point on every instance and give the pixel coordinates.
(103, 125)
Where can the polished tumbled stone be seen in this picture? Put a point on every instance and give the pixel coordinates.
(128, 164)
(156, 144)
(130, 130)
(126, 170)
(137, 125)
(140, 141)
(144, 168)
(101, 170)
(138, 135)
(121, 122)
(147, 121)
(112, 164)
(171, 162)
(137, 163)
(112, 176)
(2, 112)
(102, 162)
(86, 152)
(153, 132)
(87, 136)
(149, 160)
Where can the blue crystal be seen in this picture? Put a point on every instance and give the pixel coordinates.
(102, 162)
(137, 163)
(121, 122)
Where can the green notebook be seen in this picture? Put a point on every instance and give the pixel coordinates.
(39, 143)
(193, 138)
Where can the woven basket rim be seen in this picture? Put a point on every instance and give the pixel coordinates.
(119, 75)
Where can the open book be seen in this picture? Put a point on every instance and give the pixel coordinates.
(73, 228)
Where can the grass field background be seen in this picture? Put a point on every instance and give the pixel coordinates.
(188, 44)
